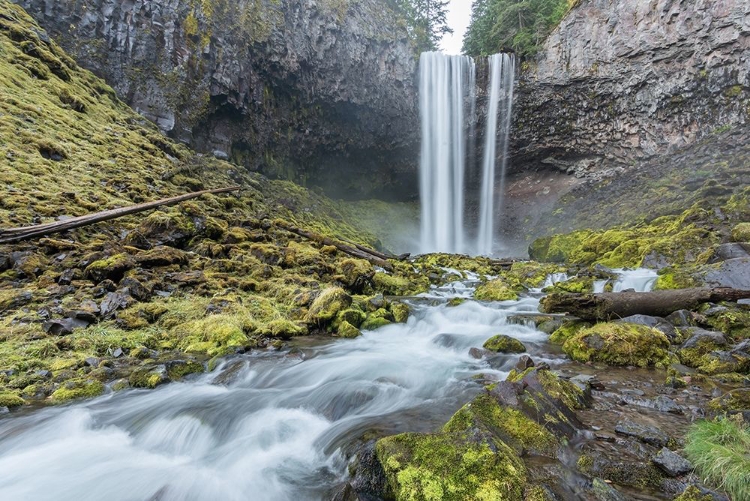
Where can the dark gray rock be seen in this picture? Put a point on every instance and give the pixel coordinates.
(729, 251)
(663, 403)
(67, 276)
(64, 326)
(117, 353)
(645, 433)
(657, 323)
(134, 288)
(91, 362)
(680, 318)
(325, 89)
(525, 362)
(114, 301)
(698, 337)
(730, 273)
(672, 463)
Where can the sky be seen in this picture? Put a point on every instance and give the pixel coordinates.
(459, 14)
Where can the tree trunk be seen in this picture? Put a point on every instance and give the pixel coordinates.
(18, 234)
(613, 305)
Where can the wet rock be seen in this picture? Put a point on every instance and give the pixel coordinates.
(672, 463)
(134, 288)
(369, 477)
(525, 362)
(88, 311)
(681, 318)
(178, 369)
(501, 343)
(665, 404)
(584, 381)
(12, 300)
(91, 362)
(478, 353)
(657, 323)
(733, 273)
(102, 288)
(148, 377)
(729, 251)
(645, 433)
(67, 276)
(63, 327)
(112, 302)
(605, 492)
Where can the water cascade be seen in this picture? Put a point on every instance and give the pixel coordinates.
(448, 109)
(502, 74)
(443, 86)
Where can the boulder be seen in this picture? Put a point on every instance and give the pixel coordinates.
(657, 323)
(501, 343)
(619, 344)
(671, 463)
(645, 433)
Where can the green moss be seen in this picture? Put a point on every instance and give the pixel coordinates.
(495, 290)
(565, 391)
(573, 285)
(10, 400)
(567, 330)
(283, 328)
(619, 344)
(674, 278)
(147, 377)
(374, 322)
(734, 400)
(400, 312)
(113, 267)
(516, 429)
(352, 316)
(692, 493)
(393, 285)
(448, 466)
(741, 232)
(75, 389)
(178, 370)
(347, 330)
(504, 344)
(733, 322)
(327, 305)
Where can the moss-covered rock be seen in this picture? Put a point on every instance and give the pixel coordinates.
(10, 400)
(568, 330)
(148, 377)
(327, 305)
(75, 389)
(734, 400)
(692, 493)
(619, 344)
(504, 344)
(741, 233)
(347, 330)
(450, 466)
(400, 312)
(495, 290)
(112, 268)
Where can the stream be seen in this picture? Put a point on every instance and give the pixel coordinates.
(268, 425)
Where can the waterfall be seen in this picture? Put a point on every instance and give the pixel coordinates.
(502, 75)
(447, 95)
(443, 90)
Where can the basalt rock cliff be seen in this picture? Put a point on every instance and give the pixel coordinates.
(319, 91)
(620, 82)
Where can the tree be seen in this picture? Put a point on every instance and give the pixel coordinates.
(520, 26)
(426, 21)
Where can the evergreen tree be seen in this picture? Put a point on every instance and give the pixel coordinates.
(426, 21)
(512, 25)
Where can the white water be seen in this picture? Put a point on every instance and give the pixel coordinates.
(279, 428)
(447, 84)
(502, 76)
(639, 279)
(443, 89)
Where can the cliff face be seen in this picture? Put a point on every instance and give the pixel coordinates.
(619, 82)
(311, 90)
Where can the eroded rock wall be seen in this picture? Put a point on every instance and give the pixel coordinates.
(317, 91)
(618, 82)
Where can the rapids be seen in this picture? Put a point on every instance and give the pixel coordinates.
(264, 426)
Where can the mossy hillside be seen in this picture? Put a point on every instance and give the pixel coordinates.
(683, 239)
(202, 279)
(620, 344)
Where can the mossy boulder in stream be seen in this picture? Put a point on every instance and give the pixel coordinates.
(495, 290)
(504, 344)
(328, 304)
(620, 344)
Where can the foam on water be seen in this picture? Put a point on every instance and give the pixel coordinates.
(280, 428)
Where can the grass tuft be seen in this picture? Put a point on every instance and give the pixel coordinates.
(720, 451)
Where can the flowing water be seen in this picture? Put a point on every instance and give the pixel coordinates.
(500, 108)
(264, 427)
(447, 89)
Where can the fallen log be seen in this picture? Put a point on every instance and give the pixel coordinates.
(358, 251)
(613, 305)
(11, 235)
